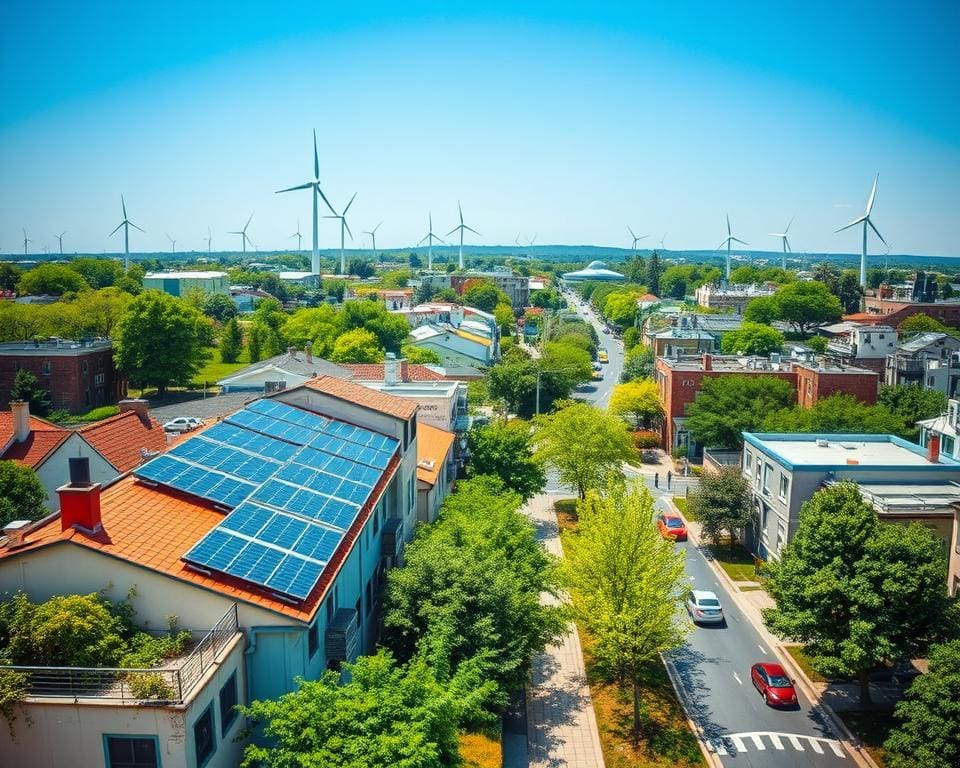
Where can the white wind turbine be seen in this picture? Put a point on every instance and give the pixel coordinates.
(461, 227)
(866, 221)
(726, 242)
(373, 237)
(662, 246)
(636, 240)
(60, 239)
(344, 227)
(126, 224)
(429, 238)
(173, 243)
(786, 243)
(298, 236)
(243, 234)
(209, 239)
(315, 187)
(25, 241)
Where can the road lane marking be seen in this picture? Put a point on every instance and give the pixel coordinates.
(758, 742)
(795, 742)
(716, 745)
(737, 678)
(815, 746)
(738, 743)
(762, 649)
(836, 749)
(775, 740)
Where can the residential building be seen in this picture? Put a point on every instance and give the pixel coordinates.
(516, 287)
(290, 369)
(306, 279)
(436, 470)
(688, 333)
(456, 346)
(733, 297)
(78, 375)
(904, 482)
(928, 360)
(183, 283)
(595, 271)
(946, 428)
(866, 346)
(892, 304)
(246, 299)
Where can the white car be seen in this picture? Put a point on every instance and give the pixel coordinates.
(182, 424)
(704, 607)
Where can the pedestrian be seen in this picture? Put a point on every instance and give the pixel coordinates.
(669, 478)
(656, 479)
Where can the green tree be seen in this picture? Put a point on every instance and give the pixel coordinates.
(752, 339)
(627, 584)
(506, 451)
(98, 273)
(219, 307)
(921, 323)
(420, 355)
(375, 714)
(620, 308)
(9, 276)
(911, 404)
(414, 261)
(806, 303)
(721, 503)
(357, 346)
(745, 275)
(99, 311)
(546, 299)
(638, 364)
(484, 296)
(161, 341)
(927, 734)
(514, 381)
(503, 315)
(835, 414)
(231, 341)
(390, 329)
(674, 281)
(22, 495)
(584, 444)
(817, 343)
(570, 362)
(51, 279)
(361, 268)
(639, 401)
(762, 309)
(729, 405)
(856, 592)
(319, 325)
(631, 337)
(27, 389)
(847, 289)
(654, 271)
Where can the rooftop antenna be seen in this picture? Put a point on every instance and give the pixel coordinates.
(636, 240)
(786, 243)
(126, 224)
(373, 237)
(243, 234)
(866, 221)
(726, 241)
(429, 238)
(461, 227)
(344, 227)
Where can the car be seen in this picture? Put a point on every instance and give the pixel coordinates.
(672, 527)
(598, 375)
(182, 424)
(597, 367)
(602, 356)
(773, 684)
(704, 607)
(606, 331)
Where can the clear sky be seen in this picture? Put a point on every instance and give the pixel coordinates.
(564, 120)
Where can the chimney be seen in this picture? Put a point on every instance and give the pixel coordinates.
(390, 369)
(16, 532)
(933, 449)
(141, 407)
(80, 499)
(404, 370)
(308, 351)
(707, 361)
(21, 420)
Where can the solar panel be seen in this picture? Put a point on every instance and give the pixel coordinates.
(216, 455)
(251, 441)
(191, 478)
(299, 416)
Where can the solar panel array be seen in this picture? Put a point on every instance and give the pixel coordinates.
(296, 482)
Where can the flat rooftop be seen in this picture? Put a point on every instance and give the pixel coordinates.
(54, 346)
(912, 498)
(199, 275)
(747, 365)
(844, 451)
(414, 389)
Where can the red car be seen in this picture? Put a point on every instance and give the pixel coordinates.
(672, 527)
(774, 685)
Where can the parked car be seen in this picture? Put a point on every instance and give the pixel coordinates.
(182, 424)
(597, 375)
(773, 684)
(672, 527)
(602, 356)
(704, 607)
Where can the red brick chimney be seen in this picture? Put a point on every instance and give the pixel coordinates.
(20, 413)
(141, 407)
(707, 362)
(933, 449)
(80, 499)
(404, 370)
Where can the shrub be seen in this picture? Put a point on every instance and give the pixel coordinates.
(150, 686)
(646, 438)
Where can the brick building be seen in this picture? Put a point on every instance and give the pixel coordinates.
(680, 380)
(884, 311)
(78, 375)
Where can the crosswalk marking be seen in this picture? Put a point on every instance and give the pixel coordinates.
(738, 744)
(758, 742)
(795, 742)
(775, 740)
(836, 748)
(734, 743)
(815, 745)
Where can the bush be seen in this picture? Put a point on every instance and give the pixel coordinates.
(14, 687)
(646, 438)
(679, 453)
(150, 686)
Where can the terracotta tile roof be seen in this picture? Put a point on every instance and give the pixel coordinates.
(43, 439)
(365, 397)
(433, 445)
(648, 297)
(374, 372)
(119, 438)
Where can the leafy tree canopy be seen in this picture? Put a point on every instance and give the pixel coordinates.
(729, 405)
(921, 323)
(27, 389)
(912, 404)
(506, 451)
(22, 495)
(638, 363)
(806, 303)
(219, 307)
(51, 279)
(838, 413)
(98, 273)
(762, 309)
(420, 355)
(357, 346)
(752, 339)
(638, 401)
(484, 296)
(721, 503)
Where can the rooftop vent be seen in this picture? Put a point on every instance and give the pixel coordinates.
(15, 532)
(821, 443)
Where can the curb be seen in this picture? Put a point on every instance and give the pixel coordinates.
(712, 758)
(849, 741)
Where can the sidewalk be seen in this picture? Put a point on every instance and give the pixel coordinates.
(561, 724)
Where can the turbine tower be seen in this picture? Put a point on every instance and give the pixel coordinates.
(25, 241)
(315, 186)
(636, 240)
(298, 236)
(126, 224)
(173, 243)
(243, 234)
(461, 227)
(726, 242)
(373, 237)
(344, 227)
(662, 246)
(209, 239)
(866, 221)
(786, 243)
(429, 238)
(60, 238)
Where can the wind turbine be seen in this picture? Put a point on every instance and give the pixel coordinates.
(786, 243)
(173, 244)
(636, 240)
(344, 227)
(865, 220)
(60, 238)
(429, 238)
(726, 242)
(243, 234)
(25, 241)
(373, 237)
(461, 227)
(315, 186)
(298, 236)
(209, 239)
(126, 224)
(662, 246)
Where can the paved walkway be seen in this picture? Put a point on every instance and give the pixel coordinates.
(561, 725)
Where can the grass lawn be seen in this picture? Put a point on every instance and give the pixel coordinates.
(872, 728)
(681, 503)
(97, 414)
(215, 370)
(796, 652)
(481, 750)
(736, 562)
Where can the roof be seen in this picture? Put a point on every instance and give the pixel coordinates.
(120, 438)
(294, 362)
(472, 337)
(365, 397)
(200, 407)
(648, 298)
(924, 340)
(847, 452)
(198, 275)
(43, 439)
(433, 447)
(374, 372)
(917, 498)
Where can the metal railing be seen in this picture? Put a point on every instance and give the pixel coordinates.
(168, 685)
(719, 458)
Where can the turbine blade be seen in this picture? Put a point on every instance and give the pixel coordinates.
(453, 230)
(299, 186)
(316, 157)
(738, 240)
(111, 234)
(789, 223)
(876, 231)
(873, 195)
(631, 232)
(787, 243)
(320, 192)
(376, 228)
(852, 224)
(248, 223)
(460, 210)
(424, 240)
(728, 225)
(347, 227)
(136, 227)
(350, 203)
(470, 229)
(642, 237)
(123, 204)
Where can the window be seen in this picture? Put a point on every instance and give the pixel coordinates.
(376, 518)
(759, 472)
(781, 535)
(747, 462)
(946, 445)
(767, 471)
(228, 704)
(784, 486)
(85, 367)
(204, 739)
(313, 640)
(45, 367)
(931, 381)
(100, 364)
(331, 605)
(98, 379)
(764, 509)
(359, 609)
(132, 751)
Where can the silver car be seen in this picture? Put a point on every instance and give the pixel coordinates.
(704, 607)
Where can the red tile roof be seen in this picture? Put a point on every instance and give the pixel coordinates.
(433, 445)
(374, 372)
(119, 438)
(365, 397)
(43, 439)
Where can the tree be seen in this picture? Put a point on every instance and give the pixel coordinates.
(654, 270)
(50, 279)
(847, 289)
(806, 303)
(722, 503)
(921, 323)
(927, 734)
(99, 311)
(826, 273)
(817, 343)
(219, 307)
(729, 405)
(414, 261)
(514, 381)
(376, 713)
(752, 339)
(506, 451)
(361, 268)
(638, 364)
(912, 404)
(583, 444)
(620, 308)
(546, 299)
(570, 362)
(420, 355)
(390, 329)
(22, 495)
(762, 309)
(27, 389)
(161, 341)
(98, 273)
(858, 593)
(835, 414)
(631, 337)
(503, 315)
(484, 296)
(9, 276)
(357, 346)
(638, 400)
(626, 582)
(231, 341)
(674, 281)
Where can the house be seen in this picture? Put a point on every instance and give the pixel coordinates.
(246, 299)
(516, 287)
(456, 346)
(436, 470)
(892, 304)
(866, 346)
(281, 521)
(183, 283)
(928, 360)
(904, 482)
(290, 369)
(306, 279)
(78, 375)
(112, 446)
(733, 297)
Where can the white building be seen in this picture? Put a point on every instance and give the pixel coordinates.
(182, 283)
(735, 296)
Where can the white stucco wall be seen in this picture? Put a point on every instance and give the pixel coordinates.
(55, 471)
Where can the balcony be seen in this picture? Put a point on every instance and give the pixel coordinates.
(842, 348)
(715, 459)
(907, 365)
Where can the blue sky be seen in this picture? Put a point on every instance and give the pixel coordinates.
(568, 121)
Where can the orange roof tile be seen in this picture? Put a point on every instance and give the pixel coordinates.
(374, 372)
(433, 445)
(365, 397)
(44, 437)
(120, 438)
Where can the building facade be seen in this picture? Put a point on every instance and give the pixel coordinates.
(182, 283)
(930, 360)
(733, 297)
